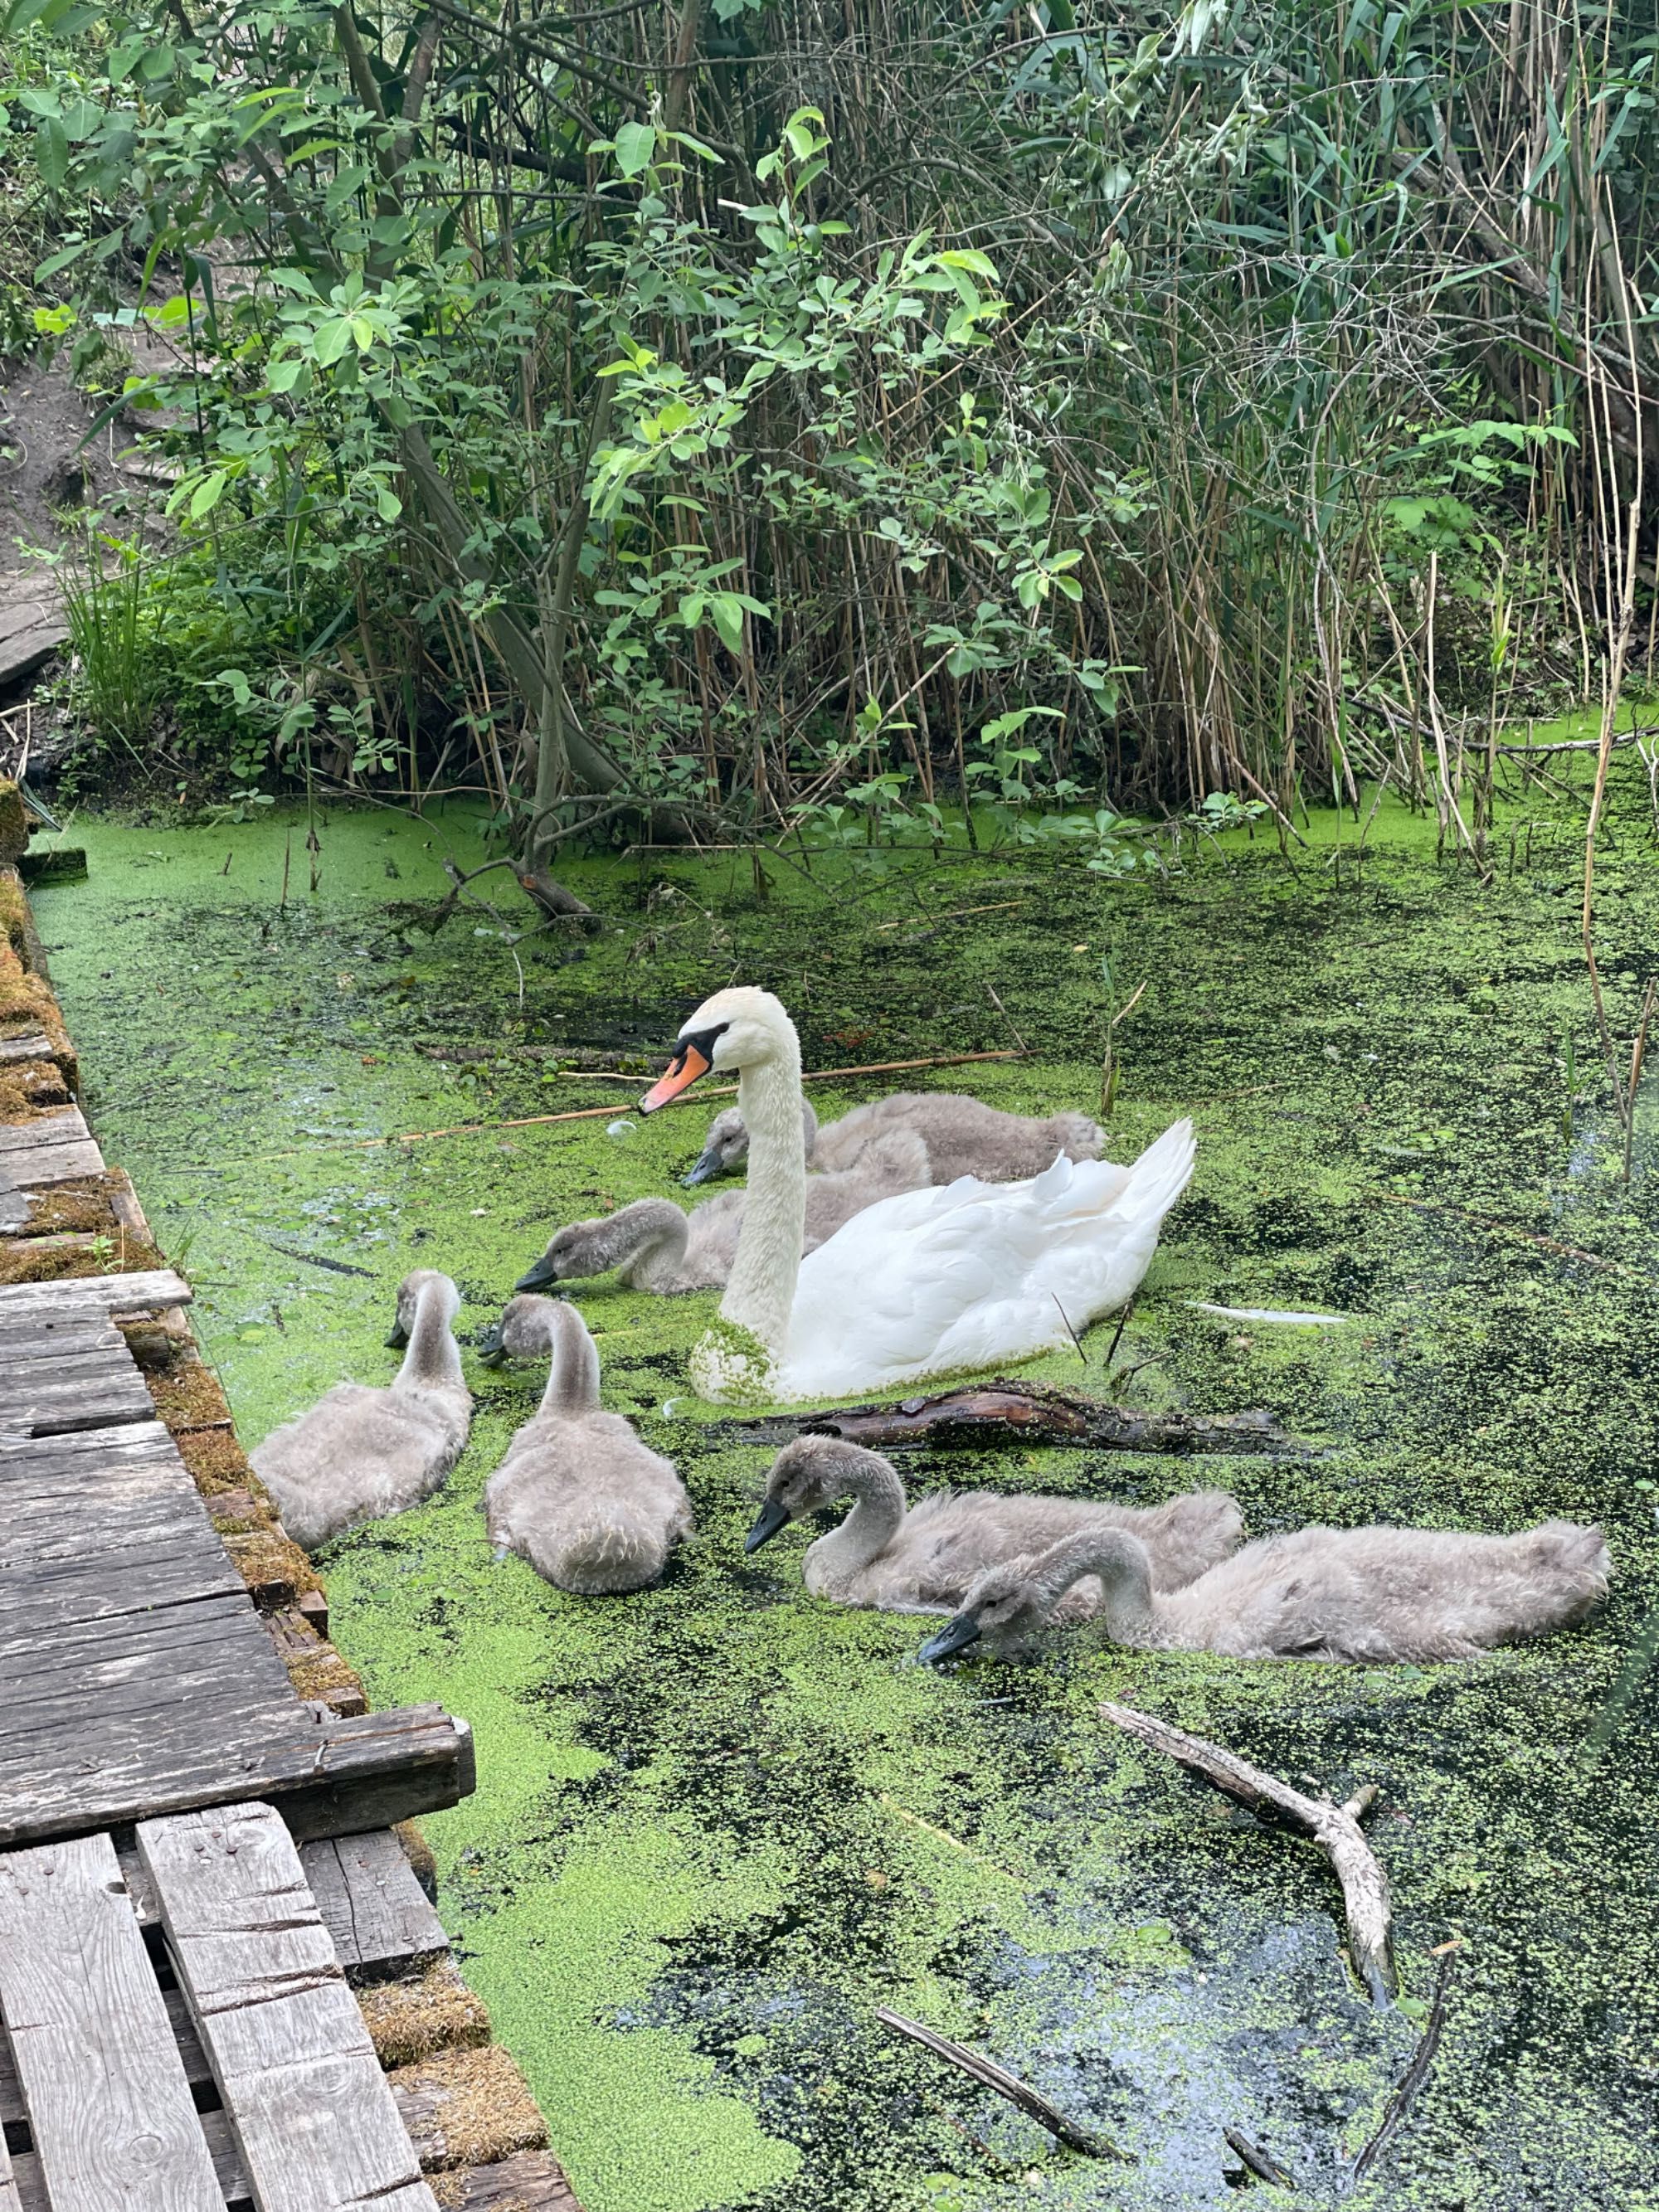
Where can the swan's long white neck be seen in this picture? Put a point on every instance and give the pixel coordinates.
(876, 1516)
(762, 1288)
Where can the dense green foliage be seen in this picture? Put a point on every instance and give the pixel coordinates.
(776, 412)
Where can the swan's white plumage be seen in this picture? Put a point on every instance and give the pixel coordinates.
(978, 1273)
(924, 1283)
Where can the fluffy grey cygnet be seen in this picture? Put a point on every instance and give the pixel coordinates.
(360, 1453)
(1372, 1595)
(654, 1246)
(923, 1560)
(593, 1508)
(963, 1135)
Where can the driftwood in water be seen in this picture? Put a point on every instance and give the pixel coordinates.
(1334, 1828)
(1018, 1414)
(986, 2070)
(1414, 2076)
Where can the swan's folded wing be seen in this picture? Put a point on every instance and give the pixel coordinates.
(968, 1275)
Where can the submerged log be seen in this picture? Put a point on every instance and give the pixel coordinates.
(1019, 1414)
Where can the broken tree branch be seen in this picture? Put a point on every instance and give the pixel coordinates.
(1023, 1413)
(1334, 1828)
(1412, 2081)
(986, 2070)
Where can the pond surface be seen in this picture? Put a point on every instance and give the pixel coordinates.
(718, 1823)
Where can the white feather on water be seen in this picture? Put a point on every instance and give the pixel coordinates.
(1272, 1313)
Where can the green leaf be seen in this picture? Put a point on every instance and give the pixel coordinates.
(726, 608)
(207, 495)
(51, 151)
(62, 259)
(636, 144)
(331, 339)
(388, 502)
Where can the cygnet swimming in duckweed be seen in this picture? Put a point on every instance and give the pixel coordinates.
(923, 1559)
(962, 1135)
(1372, 1595)
(362, 1453)
(591, 1508)
(654, 1245)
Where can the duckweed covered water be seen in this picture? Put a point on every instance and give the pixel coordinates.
(717, 1823)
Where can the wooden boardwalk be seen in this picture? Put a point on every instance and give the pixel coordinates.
(140, 1678)
(195, 1861)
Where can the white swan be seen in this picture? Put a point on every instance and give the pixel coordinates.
(931, 1281)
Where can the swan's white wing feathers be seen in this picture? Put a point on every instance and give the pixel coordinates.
(968, 1276)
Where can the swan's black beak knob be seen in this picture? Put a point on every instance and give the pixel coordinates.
(398, 1340)
(542, 1277)
(956, 1636)
(491, 1350)
(771, 1517)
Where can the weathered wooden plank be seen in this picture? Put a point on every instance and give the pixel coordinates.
(532, 2182)
(34, 1044)
(332, 1778)
(33, 625)
(145, 1291)
(10, 2200)
(108, 2105)
(91, 1390)
(67, 1125)
(307, 2103)
(235, 2196)
(38, 1167)
(379, 1916)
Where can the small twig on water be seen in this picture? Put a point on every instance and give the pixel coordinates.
(1013, 1031)
(317, 1260)
(1070, 1331)
(1117, 1337)
(1637, 1054)
(986, 2070)
(1264, 2167)
(1414, 2077)
(1334, 1828)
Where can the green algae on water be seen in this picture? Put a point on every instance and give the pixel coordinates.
(718, 1823)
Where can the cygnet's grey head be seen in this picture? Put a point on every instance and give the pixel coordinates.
(423, 1281)
(524, 1331)
(806, 1475)
(726, 1148)
(999, 1604)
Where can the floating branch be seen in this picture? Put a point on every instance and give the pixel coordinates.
(1265, 2168)
(1412, 2081)
(1019, 1414)
(1334, 1828)
(986, 2070)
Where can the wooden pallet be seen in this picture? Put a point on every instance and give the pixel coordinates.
(307, 2121)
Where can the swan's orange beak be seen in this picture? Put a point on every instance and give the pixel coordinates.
(687, 1065)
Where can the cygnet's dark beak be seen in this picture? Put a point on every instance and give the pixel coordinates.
(956, 1636)
(398, 1340)
(491, 1350)
(705, 1171)
(772, 1516)
(541, 1277)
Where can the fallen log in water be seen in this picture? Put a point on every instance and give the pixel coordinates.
(1018, 1414)
(1334, 1828)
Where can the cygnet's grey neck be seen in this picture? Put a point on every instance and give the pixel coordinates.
(1125, 1573)
(655, 1234)
(762, 1288)
(433, 1361)
(876, 1516)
